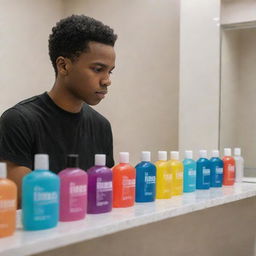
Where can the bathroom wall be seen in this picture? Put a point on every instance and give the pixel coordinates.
(236, 11)
(143, 101)
(25, 68)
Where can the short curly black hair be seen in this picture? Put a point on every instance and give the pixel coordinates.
(70, 37)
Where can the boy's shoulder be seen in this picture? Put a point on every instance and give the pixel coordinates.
(94, 115)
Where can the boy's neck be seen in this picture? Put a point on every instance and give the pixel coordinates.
(64, 99)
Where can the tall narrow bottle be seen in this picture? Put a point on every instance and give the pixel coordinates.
(145, 179)
(163, 177)
(123, 182)
(216, 167)
(239, 165)
(228, 168)
(8, 203)
(189, 164)
(99, 186)
(203, 171)
(177, 173)
(40, 196)
(73, 191)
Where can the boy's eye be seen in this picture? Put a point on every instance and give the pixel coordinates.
(97, 69)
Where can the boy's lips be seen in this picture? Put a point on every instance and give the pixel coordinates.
(101, 94)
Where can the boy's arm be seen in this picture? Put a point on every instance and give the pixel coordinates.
(15, 173)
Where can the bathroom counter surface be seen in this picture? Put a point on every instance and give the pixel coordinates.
(93, 226)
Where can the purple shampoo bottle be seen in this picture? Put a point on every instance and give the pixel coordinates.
(99, 186)
(73, 191)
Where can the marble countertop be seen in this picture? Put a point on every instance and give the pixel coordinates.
(93, 226)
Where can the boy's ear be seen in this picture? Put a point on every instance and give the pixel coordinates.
(63, 65)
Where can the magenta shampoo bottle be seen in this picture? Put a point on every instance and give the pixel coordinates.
(73, 191)
(99, 186)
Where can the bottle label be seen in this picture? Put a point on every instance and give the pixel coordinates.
(77, 197)
(231, 172)
(192, 172)
(219, 170)
(42, 199)
(179, 175)
(7, 205)
(128, 186)
(206, 174)
(102, 194)
(149, 183)
(168, 177)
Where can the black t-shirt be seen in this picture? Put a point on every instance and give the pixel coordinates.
(38, 125)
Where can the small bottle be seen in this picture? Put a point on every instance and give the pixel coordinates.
(163, 177)
(177, 173)
(8, 203)
(99, 186)
(73, 191)
(239, 165)
(189, 164)
(145, 179)
(216, 167)
(40, 196)
(228, 168)
(203, 171)
(123, 182)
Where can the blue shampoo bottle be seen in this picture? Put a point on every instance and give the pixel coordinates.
(216, 167)
(203, 171)
(40, 196)
(145, 179)
(189, 182)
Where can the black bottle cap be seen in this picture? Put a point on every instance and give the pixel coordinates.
(72, 161)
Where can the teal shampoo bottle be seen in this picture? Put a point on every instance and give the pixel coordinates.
(40, 196)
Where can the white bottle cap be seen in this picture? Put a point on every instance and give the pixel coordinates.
(237, 151)
(100, 159)
(174, 155)
(189, 154)
(145, 156)
(162, 155)
(203, 153)
(41, 162)
(227, 151)
(215, 153)
(124, 157)
(3, 171)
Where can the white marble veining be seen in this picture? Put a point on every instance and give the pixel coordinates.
(29, 242)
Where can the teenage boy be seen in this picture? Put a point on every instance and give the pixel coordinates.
(61, 122)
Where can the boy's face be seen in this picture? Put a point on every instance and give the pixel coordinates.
(88, 76)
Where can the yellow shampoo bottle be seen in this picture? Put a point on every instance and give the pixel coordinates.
(177, 172)
(163, 176)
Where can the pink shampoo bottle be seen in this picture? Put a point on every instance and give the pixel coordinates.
(73, 191)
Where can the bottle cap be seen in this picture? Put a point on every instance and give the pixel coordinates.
(189, 154)
(41, 162)
(162, 155)
(100, 159)
(227, 151)
(124, 157)
(145, 156)
(203, 153)
(3, 170)
(72, 161)
(174, 155)
(237, 151)
(215, 153)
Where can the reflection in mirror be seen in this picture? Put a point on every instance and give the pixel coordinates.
(238, 90)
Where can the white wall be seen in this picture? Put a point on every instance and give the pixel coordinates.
(199, 75)
(25, 66)
(143, 101)
(236, 11)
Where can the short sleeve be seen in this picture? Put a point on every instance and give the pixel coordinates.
(16, 138)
